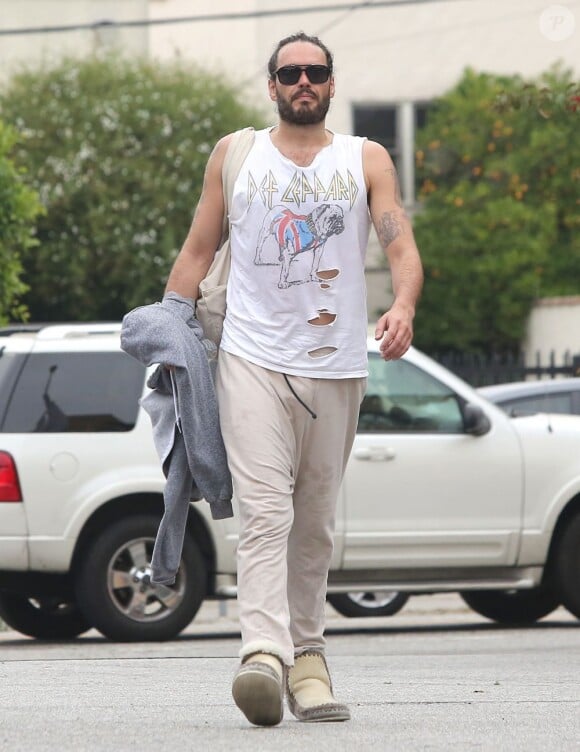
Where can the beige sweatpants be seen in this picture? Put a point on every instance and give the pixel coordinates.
(286, 468)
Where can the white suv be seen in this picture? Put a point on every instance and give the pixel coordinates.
(443, 492)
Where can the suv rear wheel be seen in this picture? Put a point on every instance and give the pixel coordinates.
(43, 617)
(115, 594)
(369, 603)
(512, 606)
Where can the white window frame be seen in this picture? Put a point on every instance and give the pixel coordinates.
(405, 119)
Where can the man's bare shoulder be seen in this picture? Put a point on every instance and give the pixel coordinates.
(377, 163)
(218, 153)
(224, 142)
(373, 151)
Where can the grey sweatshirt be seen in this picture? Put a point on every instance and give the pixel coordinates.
(183, 410)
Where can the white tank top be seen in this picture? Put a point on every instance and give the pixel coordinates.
(296, 296)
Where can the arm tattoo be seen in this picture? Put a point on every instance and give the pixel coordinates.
(388, 228)
(398, 197)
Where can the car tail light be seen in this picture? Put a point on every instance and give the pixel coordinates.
(9, 483)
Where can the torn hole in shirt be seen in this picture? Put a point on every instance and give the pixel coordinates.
(324, 318)
(322, 352)
(327, 273)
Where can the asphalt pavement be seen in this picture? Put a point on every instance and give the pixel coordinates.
(434, 677)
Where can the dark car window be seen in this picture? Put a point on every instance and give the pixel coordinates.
(540, 403)
(403, 398)
(10, 365)
(76, 392)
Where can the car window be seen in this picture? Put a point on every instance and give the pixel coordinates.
(401, 397)
(76, 392)
(10, 365)
(541, 403)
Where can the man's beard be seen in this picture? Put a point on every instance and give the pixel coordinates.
(303, 115)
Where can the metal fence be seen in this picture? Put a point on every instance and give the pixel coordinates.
(481, 370)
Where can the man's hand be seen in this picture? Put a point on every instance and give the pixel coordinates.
(395, 329)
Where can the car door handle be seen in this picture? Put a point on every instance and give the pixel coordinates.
(375, 454)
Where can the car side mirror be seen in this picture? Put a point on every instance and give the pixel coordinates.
(475, 421)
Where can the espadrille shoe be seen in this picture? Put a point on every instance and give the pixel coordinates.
(258, 689)
(309, 690)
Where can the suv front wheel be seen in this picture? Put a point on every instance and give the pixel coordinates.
(113, 585)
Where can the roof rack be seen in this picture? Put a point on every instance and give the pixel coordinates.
(69, 331)
(61, 330)
(9, 329)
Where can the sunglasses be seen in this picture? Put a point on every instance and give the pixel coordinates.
(288, 75)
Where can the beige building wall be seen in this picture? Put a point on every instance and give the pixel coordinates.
(553, 326)
(17, 49)
(388, 54)
(385, 54)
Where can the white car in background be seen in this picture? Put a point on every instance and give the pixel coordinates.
(443, 492)
(525, 397)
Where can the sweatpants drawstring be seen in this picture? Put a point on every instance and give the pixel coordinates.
(304, 405)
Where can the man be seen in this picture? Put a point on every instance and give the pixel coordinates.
(293, 361)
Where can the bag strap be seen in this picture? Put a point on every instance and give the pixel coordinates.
(238, 149)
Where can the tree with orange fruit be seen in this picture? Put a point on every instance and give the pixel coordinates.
(499, 222)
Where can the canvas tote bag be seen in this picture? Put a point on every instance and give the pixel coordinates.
(211, 303)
